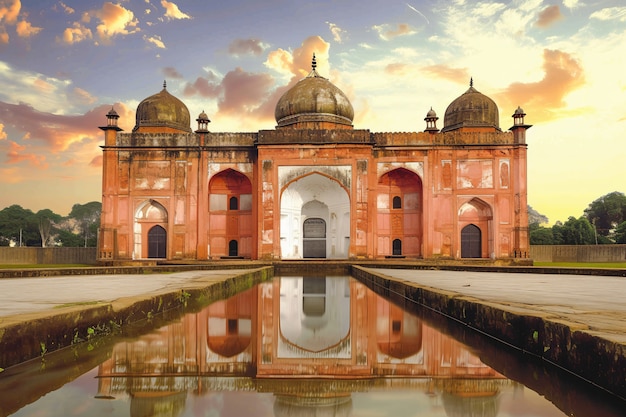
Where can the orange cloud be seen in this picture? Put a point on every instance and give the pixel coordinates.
(549, 16)
(3, 134)
(116, 20)
(96, 162)
(16, 155)
(244, 91)
(385, 32)
(246, 47)
(58, 132)
(75, 34)
(10, 11)
(172, 11)
(171, 72)
(25, 29)
(562, 75)
(209, 86)
(457, 75)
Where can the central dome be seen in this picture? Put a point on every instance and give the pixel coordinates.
(162, 112)
(314, 103)
(471, 110)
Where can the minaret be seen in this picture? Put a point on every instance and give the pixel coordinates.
(111, 129)
(519, 128)
(431, 122)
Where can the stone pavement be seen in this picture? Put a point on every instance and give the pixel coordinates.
(31, 295)
(596, 303)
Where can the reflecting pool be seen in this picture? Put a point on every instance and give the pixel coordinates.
(294, 346)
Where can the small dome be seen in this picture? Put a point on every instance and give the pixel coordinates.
(203, 116)
(163, 110)
(112, 113)
(314, 103)
(431, 113)
(471, 109)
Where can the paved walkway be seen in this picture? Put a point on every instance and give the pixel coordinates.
(597, 302)
(30, 295)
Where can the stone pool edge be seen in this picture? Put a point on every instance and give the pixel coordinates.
(566, 345)
(29, 336)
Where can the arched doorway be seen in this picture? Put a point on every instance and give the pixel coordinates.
(471, 242)
(314, 212)
(475, 237)
(157, 242)
(230, 215)
(399, 214)
(150, 231)
(314, 238)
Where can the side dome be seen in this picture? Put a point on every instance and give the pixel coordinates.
(471, 110)
(162, 112)
(314, 103)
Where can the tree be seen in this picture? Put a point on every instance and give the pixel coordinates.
(47, 221)
(540, 235)
(607, 212)
(18, 225)
(87, 218)
(577, 232)
(534, 217)
(620, 233)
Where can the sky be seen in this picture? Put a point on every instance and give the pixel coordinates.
(64, 64)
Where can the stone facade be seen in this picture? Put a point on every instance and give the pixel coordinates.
(314, 187)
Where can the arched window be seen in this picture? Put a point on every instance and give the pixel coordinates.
(397, 247)
(233, 248)
(471, 242)
(233, 204)
(397, 202)
(157, 242)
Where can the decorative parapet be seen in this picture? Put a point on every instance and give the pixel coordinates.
(448, 138)
(231, 139)
(158, 140)
(313, 136)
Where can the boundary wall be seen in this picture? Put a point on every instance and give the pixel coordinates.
(578, 253)
(55, 255)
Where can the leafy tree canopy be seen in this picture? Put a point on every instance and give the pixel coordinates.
(607, 212)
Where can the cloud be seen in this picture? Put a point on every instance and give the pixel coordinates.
(610, 13)
(545, 98)
(209, 86)
(3, 134)
(67, 9)
(549, 16)
(336, 31)
(298, 63)
(96, 162)
(25, 29)
(75, 34)
(171, 72)
(115, 20)
(81, 96)
(155, 40)
(386, 32)
(9, 11)
(457, 75)
(16, 155)
(57, 132)
(172, 11)
(246, 47)
(572, 4)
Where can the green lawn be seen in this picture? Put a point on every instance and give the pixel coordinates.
(26, 266)
(617, 265)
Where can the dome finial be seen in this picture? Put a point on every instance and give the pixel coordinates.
(164, 84)
(471, 81)
(313, 62)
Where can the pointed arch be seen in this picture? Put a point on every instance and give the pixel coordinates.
(314, 196)
(230, 214)
(399, 214)
(475, 229)
(150, 230)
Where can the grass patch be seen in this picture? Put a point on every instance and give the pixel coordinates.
(615, 265)
(80, 303)
(46, 266)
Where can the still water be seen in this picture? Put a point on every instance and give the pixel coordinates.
(300, 347)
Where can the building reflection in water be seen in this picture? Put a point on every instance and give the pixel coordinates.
(312, 342)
